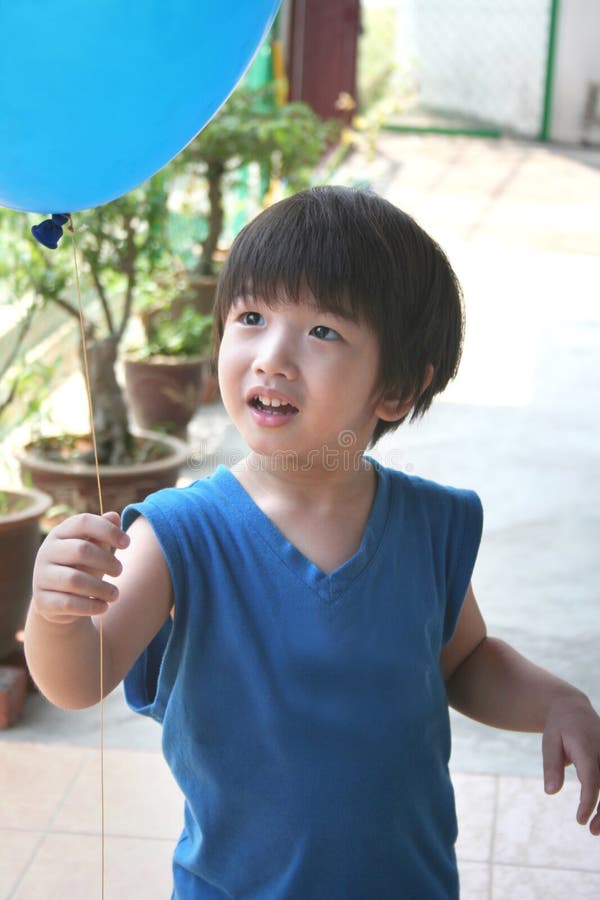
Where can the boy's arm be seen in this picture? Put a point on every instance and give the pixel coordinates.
(489, 681)
(62, 642)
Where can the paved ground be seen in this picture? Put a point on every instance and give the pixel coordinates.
(520, 425)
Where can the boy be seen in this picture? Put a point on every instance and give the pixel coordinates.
(299, 624)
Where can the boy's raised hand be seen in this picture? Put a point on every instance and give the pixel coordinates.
(71, 565)
(572, 735)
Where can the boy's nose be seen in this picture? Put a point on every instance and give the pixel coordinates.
(275, 357)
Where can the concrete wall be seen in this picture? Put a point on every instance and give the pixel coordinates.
(577, 66)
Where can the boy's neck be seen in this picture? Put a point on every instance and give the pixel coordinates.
(322, 513)
(317, 484)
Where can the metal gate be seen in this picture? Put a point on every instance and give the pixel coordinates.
(470, 65)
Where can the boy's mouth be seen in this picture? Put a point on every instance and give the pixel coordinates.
(272, 406)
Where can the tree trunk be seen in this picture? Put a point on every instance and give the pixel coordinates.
(215, 173)
(110, 411)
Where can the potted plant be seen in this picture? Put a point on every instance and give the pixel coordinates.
(120, 245)
(168, 377)
(20, 512)
(285, 141)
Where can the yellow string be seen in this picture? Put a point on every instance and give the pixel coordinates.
(101, 506)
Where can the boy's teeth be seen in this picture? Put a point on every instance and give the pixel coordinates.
(266, 401)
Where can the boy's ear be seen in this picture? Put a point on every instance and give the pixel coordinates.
(390, 408)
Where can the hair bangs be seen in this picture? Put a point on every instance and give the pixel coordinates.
(291, 253)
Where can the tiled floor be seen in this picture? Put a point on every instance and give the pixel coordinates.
(515, 843)
(50, 823)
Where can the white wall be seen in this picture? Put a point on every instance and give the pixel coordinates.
(577, 64)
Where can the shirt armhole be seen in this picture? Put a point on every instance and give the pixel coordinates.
(145, 685)
(463, 552)
(141, 684)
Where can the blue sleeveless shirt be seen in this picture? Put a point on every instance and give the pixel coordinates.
(304, 714)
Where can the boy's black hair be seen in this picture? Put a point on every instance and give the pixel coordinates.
(362, 257)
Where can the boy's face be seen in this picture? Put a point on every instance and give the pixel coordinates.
(298, 380)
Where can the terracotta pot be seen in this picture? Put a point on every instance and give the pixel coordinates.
(74, 484)
(203, 289)
(19, 543)
(164, 392)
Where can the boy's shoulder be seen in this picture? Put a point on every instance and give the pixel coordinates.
(172, 501)
(418, 484)
(428, 494)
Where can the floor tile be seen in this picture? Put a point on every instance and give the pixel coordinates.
(123, 729)
(67, 867)
(33, 782)
(535, 829)
(16, 851)
(141, 798)
(474, 880)
(475, 807)
(518, 883)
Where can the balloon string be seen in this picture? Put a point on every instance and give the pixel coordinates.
(101, 506)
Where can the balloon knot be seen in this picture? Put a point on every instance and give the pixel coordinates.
(49, 232)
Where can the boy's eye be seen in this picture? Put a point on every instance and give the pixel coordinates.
(251, 318)
(324, 333)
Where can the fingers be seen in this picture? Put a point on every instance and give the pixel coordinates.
(63, 595)
(84, 556)
(74, 582)
(587, 765)
(67, 608)
(589, 777)
(113, 517)
(554, 761)
(68, 578)
(99, 529)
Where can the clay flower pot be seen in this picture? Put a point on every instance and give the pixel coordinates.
(164, 392)
(19, 543)
(74, 484)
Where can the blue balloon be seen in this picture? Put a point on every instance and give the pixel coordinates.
(98, 95)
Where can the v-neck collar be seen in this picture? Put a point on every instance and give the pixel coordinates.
(328, 585)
